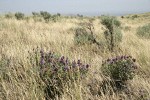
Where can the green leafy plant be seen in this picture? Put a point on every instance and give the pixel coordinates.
(82, 36)
(9, 15)
(144, 31)
(56, 71)
(37, 17)
(45, 15)
(85, 34)
(120, 69)
(35, 14)
(134, 16)
(113, 33)
(19, 15)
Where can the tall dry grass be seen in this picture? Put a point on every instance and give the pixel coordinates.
(20, 81)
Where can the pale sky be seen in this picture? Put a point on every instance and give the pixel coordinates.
(87, 7)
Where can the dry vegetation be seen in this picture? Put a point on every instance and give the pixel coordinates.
(20, 81)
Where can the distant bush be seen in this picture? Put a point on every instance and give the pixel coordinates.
(134, 16)
(56, 71)
(9, 15)
(19, 15)
(122, 17)
(120, 69)
(58, 14)
(78, 15)
(113, 33)
(37, 17)
(144, 31)
(35, 14)
(45, 15)
(54, 18)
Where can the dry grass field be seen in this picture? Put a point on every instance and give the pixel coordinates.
(20, 81)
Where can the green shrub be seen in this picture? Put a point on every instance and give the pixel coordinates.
(45, 15)
(122, 17)
(120, 69)
(58, 14)
(83, 37)
(113, 33)
(57, 72)
(134, 16)
(85, 34)
(37, 17)
(54, 18)
(110, 22)
(144, 31)
(78, 15)
(19, 15)
(35, 14)
(9, 15)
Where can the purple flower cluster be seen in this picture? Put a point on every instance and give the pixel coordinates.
(120, 67)
(60, 65)
(119, 59)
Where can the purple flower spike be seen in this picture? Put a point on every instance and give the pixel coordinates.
(114, 59)
(134, 60)
(67, 61)
(82, 67)
(42, 61)
(118, 57)
(62, 58)
(42, 53)
(127, 57)
(108, 60)
(87, 66)
(78, 62)
(49, 53)
(130, 56)
(50, 60)
(66, 68)
(55, 69)
(122, 57)
(111, 62)
(74, 64)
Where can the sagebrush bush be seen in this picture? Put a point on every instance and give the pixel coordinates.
(113, 33)
(82, 36)
(37, 17)
(134, 16)
(144, 31)
(45, 15)
(120, 69)
(56, 71)
(9, 15)
(55, 18)
(85, 34)
(35, 14)
(19, 15)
